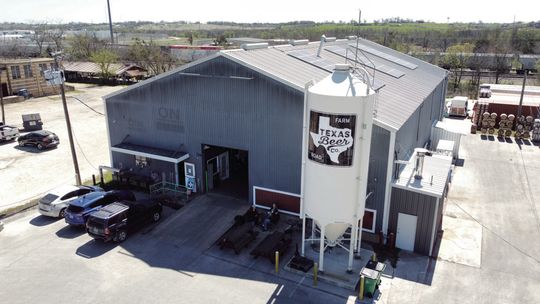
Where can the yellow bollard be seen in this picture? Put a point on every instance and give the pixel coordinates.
(374, 257)
(277, 261)
(361, 292)
(315, 271)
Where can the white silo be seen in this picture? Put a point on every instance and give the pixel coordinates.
(338, 117)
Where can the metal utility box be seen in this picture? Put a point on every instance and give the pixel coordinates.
(32, 122)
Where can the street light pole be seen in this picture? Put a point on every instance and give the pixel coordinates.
(2, 98)
(110, 22)
(68, 124)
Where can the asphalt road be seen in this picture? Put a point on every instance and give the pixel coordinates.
(175, 261)
(27, 172)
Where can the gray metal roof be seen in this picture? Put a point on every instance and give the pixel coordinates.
(398, 99)
(435, 176)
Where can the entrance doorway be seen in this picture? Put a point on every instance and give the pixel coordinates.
(226, 171)
(406, 231)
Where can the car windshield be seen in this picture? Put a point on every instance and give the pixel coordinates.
(48, 198)
(75, 209)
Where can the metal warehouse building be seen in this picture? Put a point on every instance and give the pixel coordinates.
(234, 121)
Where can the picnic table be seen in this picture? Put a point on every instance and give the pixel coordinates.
(237, 237)
(277, 241)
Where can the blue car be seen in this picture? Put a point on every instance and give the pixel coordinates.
(80, 209)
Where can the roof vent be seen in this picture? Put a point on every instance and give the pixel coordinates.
(254, 46)
(342, 67)
(299, 42)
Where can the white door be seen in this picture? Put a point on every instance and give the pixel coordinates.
(224, 165)
(406, 231)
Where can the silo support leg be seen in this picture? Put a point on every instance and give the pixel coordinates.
(303, 235)
(352, 243)
(321, 250)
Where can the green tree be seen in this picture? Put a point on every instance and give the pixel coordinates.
(456, 60)
(104, 58)
(538, 71)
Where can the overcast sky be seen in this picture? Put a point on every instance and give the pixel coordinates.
(267, 11)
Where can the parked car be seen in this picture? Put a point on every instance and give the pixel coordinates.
(8, 132)
(56, 201)
(115, 221)
(40, 139)
(79, 209)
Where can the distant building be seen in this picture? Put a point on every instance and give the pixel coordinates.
(25, 74)
(84, 71)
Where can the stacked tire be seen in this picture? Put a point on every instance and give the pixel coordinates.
(488, 123)
(536, 130)
(505, 125)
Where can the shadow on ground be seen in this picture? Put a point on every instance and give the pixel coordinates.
(70, 232)
(42, 220)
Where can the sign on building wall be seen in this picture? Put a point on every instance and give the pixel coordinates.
(331, 140)
(189, 172)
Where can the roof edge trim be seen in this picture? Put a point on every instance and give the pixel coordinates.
(162, 75)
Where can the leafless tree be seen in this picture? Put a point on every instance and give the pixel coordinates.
(40, 35)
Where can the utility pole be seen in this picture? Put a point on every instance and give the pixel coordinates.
(2, 68)
(110, 22)
(68, 123)
(522, 93)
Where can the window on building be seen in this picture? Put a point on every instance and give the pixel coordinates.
(368, 222)
(27, 71)
(140, 161)
(15, 72)
(42, 67)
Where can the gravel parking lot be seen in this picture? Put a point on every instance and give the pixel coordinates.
(27, 172)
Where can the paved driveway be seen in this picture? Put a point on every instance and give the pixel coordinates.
(27, 172)
(44, 261)
(495, 190)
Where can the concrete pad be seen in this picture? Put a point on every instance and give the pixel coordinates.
(335, 267)
(461, 242)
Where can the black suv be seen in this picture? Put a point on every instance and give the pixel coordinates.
(114, 221)
(41, 139)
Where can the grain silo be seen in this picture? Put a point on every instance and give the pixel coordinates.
(338, 118)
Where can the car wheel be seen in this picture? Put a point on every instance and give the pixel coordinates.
(156, 217)
(122, 236)
(21, 144)
(62, 213)
(40, 146)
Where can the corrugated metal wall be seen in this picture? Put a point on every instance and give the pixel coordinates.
(438, 134)
(422, 206)
(417, 130)
(378, 161)
(182, 112)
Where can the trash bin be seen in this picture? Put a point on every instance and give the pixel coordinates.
(380, 267)
(372, 279)
(32, 122)
(24, 93)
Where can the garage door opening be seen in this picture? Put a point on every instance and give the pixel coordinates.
(226, 171)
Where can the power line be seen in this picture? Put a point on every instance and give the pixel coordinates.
(82, 152)
(86, 105)
(497, 235)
